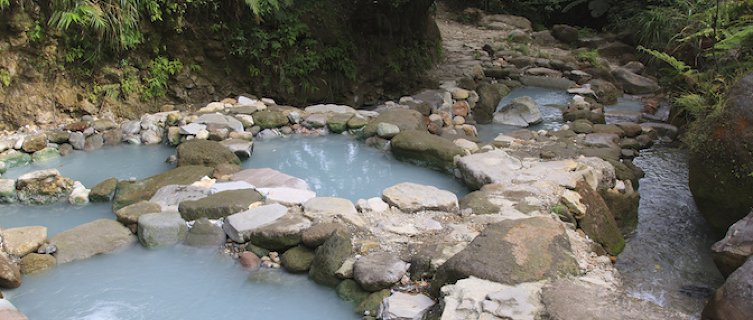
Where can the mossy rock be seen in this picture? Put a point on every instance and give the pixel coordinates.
(329, 258)
(624, 207)
(205, 153)
(270, 120)
(219, 205)
(350, 290)
(599, 223)
(372, 302)
(104, 191)
(144, 189)
(425, 149)
(405, 119)
(478, 201)
(338, 123)
(298, 259)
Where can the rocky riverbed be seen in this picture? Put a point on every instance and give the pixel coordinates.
(537, 235)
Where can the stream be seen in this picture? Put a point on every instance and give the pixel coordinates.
(666, 260)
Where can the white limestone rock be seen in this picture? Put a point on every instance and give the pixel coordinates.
(412, 197)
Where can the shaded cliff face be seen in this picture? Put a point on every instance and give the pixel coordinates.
(330, 51)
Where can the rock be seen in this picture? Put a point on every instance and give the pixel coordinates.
(329, 209)
(161, 228)
(357, 122)
(241, 226)
(624, 206)
(512, 252)
(411, 197)
(350, 290)
(270, 120)
(34, 142)
(9, 312)
(720, 164)
(489, 97)
(97, 237)
(546, 72)
(547, 82)
(144, 189)
(241, 148)
(288, 197)
(43, 187)
(129, 215)
(329, 108)
(104, 191)
(219, 205)
(34, 262)
(598, 222)
(65, 149)
(377, 271)
(732, 300)
(403, 306)
(269, 178)
(662, 129)
(204, 233)
(298, 259)
(169, 197)
(225, 171)
(250, 261)
(631, 129)
(205, 153)
(475, 298)
(103, 125)
(372, 205)
(45, 154)
(329, 257)
(231, 185)
(404, 119)
(737, 246)
(220, 120)
(522, 111)
(10, 274)
(425, 149)
(489, 167)
(23, 240)
(80, 195)
(560, 296)
(565, 33)
(13, 158)
(8, 191)
(635, 84)
(192, 128)
(77, 140)
(372, 302)
(605, 92)
(149, 137)
(338, 123)
(319, 233)
(94, 142)
(387, 130)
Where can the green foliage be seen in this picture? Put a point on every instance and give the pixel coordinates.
(590, 56)
(36, 33)
(4, 4)
(5, 78)
(160, 70)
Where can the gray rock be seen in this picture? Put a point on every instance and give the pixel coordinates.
(219, 119)
(425, 149)
(732, 300)
(169, 197)
(522, 111)
(512, 252)
(13, 158)
(560, 297)
(411, 197)
(282, 233)
(231, 185)
(294, 117)
(403, 306)
(205, 153)
(298, 259)
(129, 215)
(103, 125)
(329, 258)
(104, 191)
(77, 140)
(89, 239)
(240, 226)
(288, 197)
(315, 121)
(565, 33)
(377, 271)
(130, 127)
(8, 191)
(23, 240)
(10, 275)
(150, 137)
(269, 178)
(43, 187)
(192, 128)
(662, 129)
(489, 97)
(94, 142)
(488, 167)
(161, 228)
(34, 142)
(204, 233)
(34, 262)
(475, 298)
(635, 84)
(328, 209)
(45, 154)
(268, 134)
(599, 223)
(547, 82)
(737, 246)
(241, 148)
(9, 312)
(317, 234)
(219, 205)
(329, 108)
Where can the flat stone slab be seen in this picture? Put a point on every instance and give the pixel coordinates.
(489, 167)
(169, 197)
(242, 148)
(192, 128)
(218, 205)
(406, 306)
(216, 118)
(269, 178)
(325, 209)
(205, 233)
(282, 233)
(287, 196)
(329, 108)
(240, 226)
(475, 298)
(161, 228)
(23, 240)
(144, 189)
(380, 270)
(232, 185)
(89, 239)
(412, 197)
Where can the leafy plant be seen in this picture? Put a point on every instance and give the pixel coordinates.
(590, 56)
(160, 70)
(5, 78)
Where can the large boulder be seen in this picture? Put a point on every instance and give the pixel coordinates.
(204, 233)
(269, 178)
(219, 205)
(34, 142)
(411, 197)
(280, 234)
(568, 300)
(23, 240)
(10, 274)
(425, 149)
(170, 197)
(635, 84)
(489, 97)
(205, 153)
(89, 239)
(522, 111)
(270, 120)
(732, 300)
(132, 192)
(161, 228)
(104, 191)
(737, 246)
(404, 119)
(380, 270)
(512, 252)
(43, 187)
(556, 83)
(720, 163)
(329, 258)
(598, 222)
